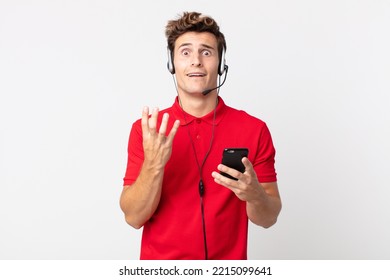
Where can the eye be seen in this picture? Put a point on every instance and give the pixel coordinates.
(206, 53)
(185, 52)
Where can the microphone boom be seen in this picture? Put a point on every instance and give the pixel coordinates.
(207, 91)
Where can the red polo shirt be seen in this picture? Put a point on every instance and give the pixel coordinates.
(175, 230)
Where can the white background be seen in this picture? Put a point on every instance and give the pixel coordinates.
(74, 75)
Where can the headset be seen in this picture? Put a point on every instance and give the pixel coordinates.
(222, 67)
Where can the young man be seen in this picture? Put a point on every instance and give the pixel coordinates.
(173, 187)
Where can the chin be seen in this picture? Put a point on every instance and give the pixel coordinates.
(194, 92)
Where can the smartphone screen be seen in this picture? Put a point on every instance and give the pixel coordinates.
(231, 157)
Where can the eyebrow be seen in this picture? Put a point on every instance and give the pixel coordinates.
(189, 44)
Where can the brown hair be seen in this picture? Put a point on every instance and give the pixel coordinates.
(193, 21)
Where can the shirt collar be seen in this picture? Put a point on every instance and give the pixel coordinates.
(186, 118)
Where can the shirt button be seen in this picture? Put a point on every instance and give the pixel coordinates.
(198, 120)
(197, 136)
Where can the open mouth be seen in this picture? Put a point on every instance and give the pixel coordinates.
(196, 75)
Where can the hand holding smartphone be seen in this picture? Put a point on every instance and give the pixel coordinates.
(232, 157)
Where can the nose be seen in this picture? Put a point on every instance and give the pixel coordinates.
(196, 61)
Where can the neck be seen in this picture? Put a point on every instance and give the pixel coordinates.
(198, 106)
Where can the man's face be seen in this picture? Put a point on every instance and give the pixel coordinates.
(196, 62)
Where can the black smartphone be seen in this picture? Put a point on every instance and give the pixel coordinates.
(231, 157)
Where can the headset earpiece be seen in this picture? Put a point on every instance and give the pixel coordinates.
(170, 66)
(222, 63)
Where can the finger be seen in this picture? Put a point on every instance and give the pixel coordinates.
(153, 121)
(173, 131)
(145, 120)
(221, 179)
(231, 171)
(248, 166)
(249, 176)
(164, 124)
(225, 181)
(237, 187)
